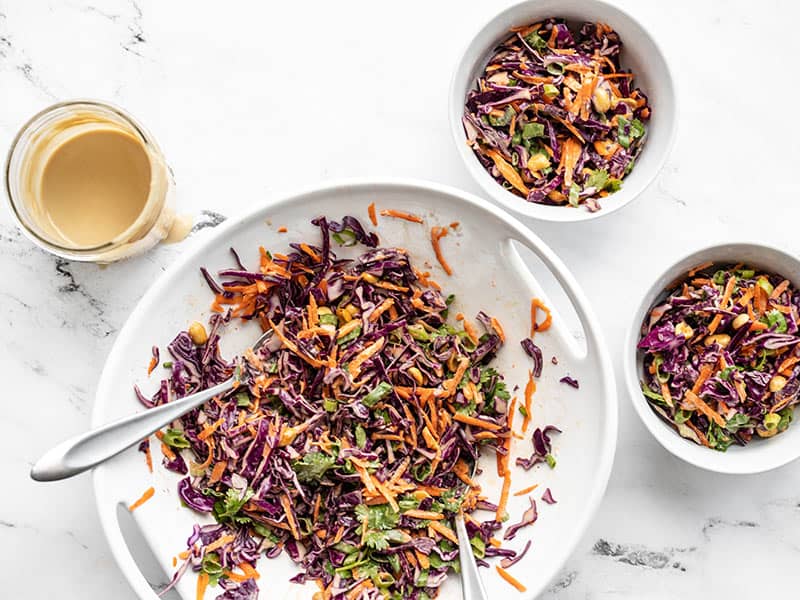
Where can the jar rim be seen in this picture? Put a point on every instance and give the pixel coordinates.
(94, 253)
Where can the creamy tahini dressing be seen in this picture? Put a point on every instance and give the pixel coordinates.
(90, 181)
(95, 185)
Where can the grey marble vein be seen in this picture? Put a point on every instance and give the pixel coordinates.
(716, 522)
(637, 555)
(136, 39)
(19, 59)
(208, 218)
(563, 582)
(71, 286)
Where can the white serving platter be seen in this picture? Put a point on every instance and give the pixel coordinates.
(489, 274)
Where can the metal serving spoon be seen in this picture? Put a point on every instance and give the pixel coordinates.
(84, 451)
(89, 449)
(471, 582)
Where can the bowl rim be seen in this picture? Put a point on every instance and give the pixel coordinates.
(513, 203)
(703, 458)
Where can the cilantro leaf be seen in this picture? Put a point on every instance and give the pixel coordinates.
(380, 516)
(597, 179)
(535, 41)
(737, 422)
(227, 508)
(313, 466)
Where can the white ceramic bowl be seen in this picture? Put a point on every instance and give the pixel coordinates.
(759, 455)
(639, 53)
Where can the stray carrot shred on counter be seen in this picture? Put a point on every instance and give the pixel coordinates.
(437, 233)
(399, 214)
(282, 229)
(372, 216)
(148, 493)
(510, 578)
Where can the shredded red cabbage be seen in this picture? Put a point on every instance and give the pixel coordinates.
(721, 355)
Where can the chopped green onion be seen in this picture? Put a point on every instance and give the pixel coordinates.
(377, 394)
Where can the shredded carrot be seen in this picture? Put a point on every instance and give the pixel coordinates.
(700, 267)
(444, 531)
(310, 251)
(571, 128)
(462, 418)
(530, 389)
(666, 393)
(527, 490)
(354, 368)
(219, 543)
(148, 457)
(293, 347)
(760, 301)
(207, 463)
(788, 363)
(202, 584)
(726, 296)
(380, 309)
(282, 229)
(437, 233)
(700, 435)
(705, 371)
(209, 430)
(399, 214)
(506, 575)
(454, 224)
(511, 412)
(287, 508)
(423, 514)
(712, 327)
(174, 561)
(548, 320)
(498, 329)
(697, 403)
(472, 333)
(372, 216)
(779, 289)
(501, 505)
(148, 493)
(508, 172)
(153, 364)
(218, 471)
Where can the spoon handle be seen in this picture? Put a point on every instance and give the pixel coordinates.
(471, 583)
(86, 450)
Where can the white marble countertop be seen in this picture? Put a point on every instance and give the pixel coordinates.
(256, 99)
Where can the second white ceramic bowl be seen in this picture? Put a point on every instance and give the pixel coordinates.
(639, 53)
(760, 454)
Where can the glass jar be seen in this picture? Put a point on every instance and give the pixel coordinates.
(26, 162)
